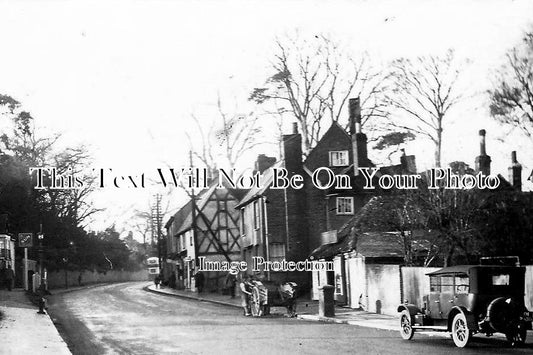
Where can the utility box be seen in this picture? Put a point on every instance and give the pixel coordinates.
(326, 301)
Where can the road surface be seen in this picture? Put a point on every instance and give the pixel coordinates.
(125, 319)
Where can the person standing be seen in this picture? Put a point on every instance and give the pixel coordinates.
(9, 277)
(231, 281)
(172, 280)
(2, 275)
(246, 293)
(199, 281)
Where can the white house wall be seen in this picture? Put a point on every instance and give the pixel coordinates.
(383, 287)
(415, 283)
(319, 278)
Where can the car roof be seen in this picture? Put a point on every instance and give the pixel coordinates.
(458, 269)
(464, 269)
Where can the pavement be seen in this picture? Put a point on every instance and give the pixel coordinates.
(306, 309)
(23, 330)
(216, 298)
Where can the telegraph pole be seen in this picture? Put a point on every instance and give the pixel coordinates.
(40, 236)
(193, 212)
(156, 226)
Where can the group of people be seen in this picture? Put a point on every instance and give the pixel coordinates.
(245, 286)
(7, 277)
(232, 279)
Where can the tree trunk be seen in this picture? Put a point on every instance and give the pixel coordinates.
(449, 255)
(438, 145)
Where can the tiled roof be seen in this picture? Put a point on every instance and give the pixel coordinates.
(266, 180)
(366, 235)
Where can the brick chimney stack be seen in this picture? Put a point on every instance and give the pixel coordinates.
(515, 172)
(359, 140)
(292, 151)
(483, 160)
(296, 235)
(263, 163)
(408, 163)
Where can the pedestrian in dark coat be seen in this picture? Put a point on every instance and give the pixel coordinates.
(199, 281)
(9, 277)
(231, 281)
(2, 276)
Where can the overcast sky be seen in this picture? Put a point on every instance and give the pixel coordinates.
(123, 77)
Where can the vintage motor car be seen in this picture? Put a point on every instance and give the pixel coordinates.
(469, 299)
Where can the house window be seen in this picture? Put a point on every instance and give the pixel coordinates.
(277, 252)
(338, 158)
(243, 224)
(344, 205)
(256, 214)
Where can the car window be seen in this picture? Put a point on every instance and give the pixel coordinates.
(434, 283)
(446, 284)
(500, 280)
(462, 284)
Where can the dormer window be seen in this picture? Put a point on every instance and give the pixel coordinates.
(338, 158)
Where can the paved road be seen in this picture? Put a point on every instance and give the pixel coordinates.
(124, 319)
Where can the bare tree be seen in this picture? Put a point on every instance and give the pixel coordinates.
(228, 136)
(512, 96)
(75, 203)
(455, 215)
(405, 213)
(423, 91)
(313, 80)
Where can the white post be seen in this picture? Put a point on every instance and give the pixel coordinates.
(26, 269)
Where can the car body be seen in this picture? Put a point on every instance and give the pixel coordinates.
(470, 299)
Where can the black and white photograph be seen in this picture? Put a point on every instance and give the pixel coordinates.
(266, 177)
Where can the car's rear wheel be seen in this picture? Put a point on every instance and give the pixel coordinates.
(406, 328)
(461, 335)
(517, 337)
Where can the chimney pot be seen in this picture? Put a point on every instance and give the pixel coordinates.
(483, 160)
(482, 147)
(515, 172)
(354, 108)
(359, 142)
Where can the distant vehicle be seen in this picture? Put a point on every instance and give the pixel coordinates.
(470, 299)
(153, 267)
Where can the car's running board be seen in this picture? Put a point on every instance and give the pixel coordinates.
(431, 327)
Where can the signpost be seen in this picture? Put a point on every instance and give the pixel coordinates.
(25, 241)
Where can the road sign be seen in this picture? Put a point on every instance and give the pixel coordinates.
(25, 240)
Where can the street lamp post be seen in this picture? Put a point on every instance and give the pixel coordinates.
(40, 236)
